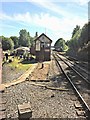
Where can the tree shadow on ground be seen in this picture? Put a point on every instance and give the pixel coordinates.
(59, 81)
(79, 82)
(29, 61)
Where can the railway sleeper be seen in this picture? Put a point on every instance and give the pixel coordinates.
(87, 110)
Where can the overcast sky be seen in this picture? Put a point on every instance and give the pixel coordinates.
(57, 18)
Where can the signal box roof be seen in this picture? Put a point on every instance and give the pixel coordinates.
(45, 36)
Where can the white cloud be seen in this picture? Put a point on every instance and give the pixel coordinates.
(81, 2)
(58, 26)
(3, 16)
(8, 26)
(61, 26)
(50, 5)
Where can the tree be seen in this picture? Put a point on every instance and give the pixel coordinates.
(85, 36)
(75, 30)
(15, 40)
(32, 42)
(60, 43)
(36, 34)
(78, 44)
(75, 40)
(7, 43)
(24, 38)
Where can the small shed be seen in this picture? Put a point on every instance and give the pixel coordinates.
(43, 48)
(21, 50)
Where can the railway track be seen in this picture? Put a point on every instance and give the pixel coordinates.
(77, 68)
(83, 64)
(80, 85)
(80, 64)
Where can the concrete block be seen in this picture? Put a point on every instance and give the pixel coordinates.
(80, 113)
(78, 105)
(24, 111)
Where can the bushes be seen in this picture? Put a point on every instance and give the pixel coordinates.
(7, 43)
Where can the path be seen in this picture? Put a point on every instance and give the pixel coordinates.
(22, 78)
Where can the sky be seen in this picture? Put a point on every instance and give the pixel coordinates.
(55, 18)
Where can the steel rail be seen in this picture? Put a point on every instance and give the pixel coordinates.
(76, 65)
(75, 70)
(76, 90)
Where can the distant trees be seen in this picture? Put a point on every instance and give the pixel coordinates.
(24, 38)
(75, 30)
(79, 40)
(60, 43)
(36, 34)
(79, 44)
(31, 41)
(84, 37)
(74, 41)
(15, 40)
(7, 43)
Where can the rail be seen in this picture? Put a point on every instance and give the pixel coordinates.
(76, 90)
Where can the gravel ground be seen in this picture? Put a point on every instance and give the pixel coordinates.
(9, 74)
(81, 85)
(45, 103)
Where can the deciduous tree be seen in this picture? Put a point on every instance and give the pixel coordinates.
(7, 43)
(15, 40)
(24, 38)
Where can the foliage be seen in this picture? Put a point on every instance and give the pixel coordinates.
(74, 43)
(18, 65)
(36, 34)
(75, 30)
(7, 43)
(15, 40)
(31, 41)
(24, 38)
(60, 43)
(84, 35)
(79, 40)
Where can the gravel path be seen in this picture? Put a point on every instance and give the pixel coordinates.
(45, 103)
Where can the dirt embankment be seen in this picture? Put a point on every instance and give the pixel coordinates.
(40, 73)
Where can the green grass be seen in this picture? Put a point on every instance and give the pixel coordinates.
(16, 64)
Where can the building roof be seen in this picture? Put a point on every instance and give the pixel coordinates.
(22, 48)
(42, 35)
